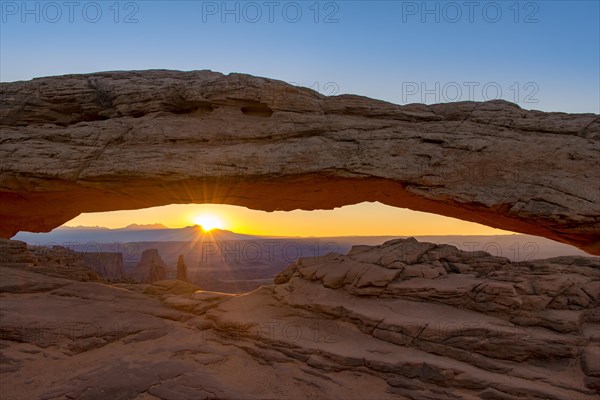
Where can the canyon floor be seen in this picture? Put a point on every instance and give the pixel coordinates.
(404, 319)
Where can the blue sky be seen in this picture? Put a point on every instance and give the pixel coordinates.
(541, 54)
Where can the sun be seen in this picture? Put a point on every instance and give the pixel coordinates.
(208, 222)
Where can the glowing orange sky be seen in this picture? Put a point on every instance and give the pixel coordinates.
(366, 219)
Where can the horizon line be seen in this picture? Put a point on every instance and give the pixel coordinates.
(274, 236)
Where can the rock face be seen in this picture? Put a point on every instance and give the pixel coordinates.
(127, 140)
(560, 294)
(151, 267)
(14, 251)
(432, 321)
(63, 261)
(181, 269)
(57, 261)
(108, 265)
(400, 320)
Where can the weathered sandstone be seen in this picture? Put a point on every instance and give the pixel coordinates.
(107, 265)
(181, 269)
(400, 320)
(151, 267)
(127, 140)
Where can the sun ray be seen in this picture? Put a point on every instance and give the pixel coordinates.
(209, 222)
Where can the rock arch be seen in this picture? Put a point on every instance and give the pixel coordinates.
(128, 140)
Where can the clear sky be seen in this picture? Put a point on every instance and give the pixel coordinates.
(540, 54)
(367, 219)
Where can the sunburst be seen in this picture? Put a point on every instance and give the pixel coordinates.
(209, 222)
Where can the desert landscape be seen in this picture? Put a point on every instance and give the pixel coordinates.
(403, 318)
(225, 261)
(169, 232)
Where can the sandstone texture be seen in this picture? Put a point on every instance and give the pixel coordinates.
(55, 261)
(128, 140)
(107, 265)
(181, 269)
(405, 319)
(151, 267)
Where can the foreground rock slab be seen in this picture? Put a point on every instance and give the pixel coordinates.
(128, 140)
(401, 320)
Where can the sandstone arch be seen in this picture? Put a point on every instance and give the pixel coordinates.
(127, 140)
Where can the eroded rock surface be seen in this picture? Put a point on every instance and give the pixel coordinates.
(57, 261)
(151, 267)
(128, 140)
(182, 274)
(400, 320)
(107, 265)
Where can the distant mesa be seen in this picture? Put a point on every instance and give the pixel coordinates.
(181, 269)
(145, 227)
(131, 227)
(131, 233)
(82, 228)
(151, 267)
(107, 265)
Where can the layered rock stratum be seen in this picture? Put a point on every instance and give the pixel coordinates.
(405, 319)
(181, 269)
(107, 265)
(128, 140)
(151, 267)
